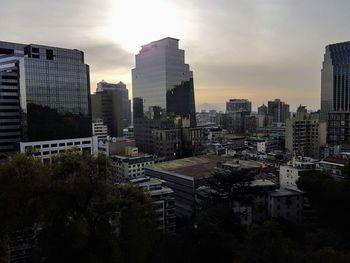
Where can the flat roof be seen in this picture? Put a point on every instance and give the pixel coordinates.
(200, 166)
(285, 192)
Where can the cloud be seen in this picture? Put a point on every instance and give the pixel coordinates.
(107, 56)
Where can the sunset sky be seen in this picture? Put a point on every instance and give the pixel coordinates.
(255, 49)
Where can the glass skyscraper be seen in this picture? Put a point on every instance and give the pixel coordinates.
(162, 82)
(335, 75)
(44, 94)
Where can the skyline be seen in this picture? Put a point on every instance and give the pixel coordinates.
(258, 53)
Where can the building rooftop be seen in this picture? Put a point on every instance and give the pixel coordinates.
(201, 166)
(262, 182)
(335, 160)
(285, 192)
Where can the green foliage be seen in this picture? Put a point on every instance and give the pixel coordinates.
(268, 243)
(78, 216)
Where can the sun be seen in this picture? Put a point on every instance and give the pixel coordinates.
(132, 23)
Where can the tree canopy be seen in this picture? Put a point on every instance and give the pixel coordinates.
(77, 216)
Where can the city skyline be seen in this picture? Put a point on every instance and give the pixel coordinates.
(251, 57)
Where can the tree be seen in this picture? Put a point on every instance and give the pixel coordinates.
(269, 243)
(77, 215)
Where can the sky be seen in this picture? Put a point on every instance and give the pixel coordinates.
(254, 49)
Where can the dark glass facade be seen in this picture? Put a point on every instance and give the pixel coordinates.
(163, 82)
(57, 86)
(335, 93)
(50, 90)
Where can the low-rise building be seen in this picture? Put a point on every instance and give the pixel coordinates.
(299, 166)
(184, 176)
(286, 203)
(163, 200)
(48, 149)
(334, 166)
(99, 129)
(127, 167)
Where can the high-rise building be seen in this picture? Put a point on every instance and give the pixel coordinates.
(44, 95)
(305, 133)
(237, 110)
(335, 75)
(238, 105)
(111, 104)
(279, 110)
(163, 102)
(124, 93)
(162, 82)
(262, 110)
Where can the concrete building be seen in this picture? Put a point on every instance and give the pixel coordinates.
(305, 134)
(279, 110)
(299, 166)
(45, 150)
(287, 204)
(338, 129)
(44, 93)
(163, 200)
(128, 132)
(184, 176)
(238, 105)
(130, 165)
(168, 139)
(100, 130)
(334, 166)
(237, 110)
(262, 110)
(111, 104)
(115, 146)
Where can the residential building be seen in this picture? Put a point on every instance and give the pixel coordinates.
(334, 80)
(111, 104)
(287, 204)
(279, 110)
(44, 93)
(100, 130)
(163, 200)
(299, 166)
(305, 134)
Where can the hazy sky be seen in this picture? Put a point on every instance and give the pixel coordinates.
(255, 49)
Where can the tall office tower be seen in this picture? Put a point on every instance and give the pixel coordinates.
(335, 75)
(279, 110)
(111, 104)
(236, 111)
(162, 82)
(163, 102)
(262, 110)
(305, 133)
(45, 95)
(238, 105)
(126, 103)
